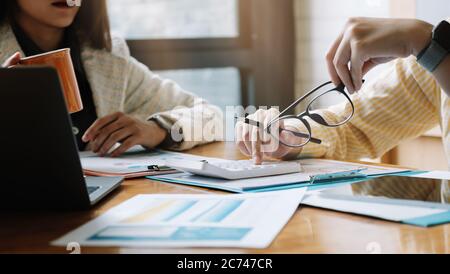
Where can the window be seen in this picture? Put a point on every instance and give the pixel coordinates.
(230, 52)
(174, 19)
(219, 85)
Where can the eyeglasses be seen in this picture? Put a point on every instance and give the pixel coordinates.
(302, 135)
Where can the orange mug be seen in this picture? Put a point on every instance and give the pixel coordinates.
(62, 62)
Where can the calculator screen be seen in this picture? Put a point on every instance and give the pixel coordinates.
(398, 187)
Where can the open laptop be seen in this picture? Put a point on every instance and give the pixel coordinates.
(40, 165)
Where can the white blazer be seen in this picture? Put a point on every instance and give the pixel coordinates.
(120, 83)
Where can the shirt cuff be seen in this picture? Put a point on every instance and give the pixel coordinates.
(168, 127)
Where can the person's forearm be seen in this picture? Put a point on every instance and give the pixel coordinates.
(442, 75)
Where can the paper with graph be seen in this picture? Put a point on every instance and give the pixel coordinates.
(248, 220)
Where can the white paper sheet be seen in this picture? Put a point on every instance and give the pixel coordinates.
(391, 212)
(323, 166)
(439, 175)
(247, 221)
(136, 160)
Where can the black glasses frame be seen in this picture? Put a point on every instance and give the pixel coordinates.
(307, 113)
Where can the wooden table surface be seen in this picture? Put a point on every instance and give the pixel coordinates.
(309, 231)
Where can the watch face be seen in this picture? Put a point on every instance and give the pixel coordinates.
(442, 34)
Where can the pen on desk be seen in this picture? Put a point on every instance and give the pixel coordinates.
(152, 168)
(351, 174)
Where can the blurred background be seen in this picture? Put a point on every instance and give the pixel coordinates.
(260, 52)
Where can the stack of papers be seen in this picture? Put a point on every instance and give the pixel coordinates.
(135, 163)
(248, 221)
(311, 167)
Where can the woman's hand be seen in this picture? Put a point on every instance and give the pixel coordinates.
(258, 144)
(368, 42)
(124, 129)
(12, 61)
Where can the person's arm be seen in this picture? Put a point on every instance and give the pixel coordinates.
(157, 112)
(401, 104)
(189, 119)
(442, 75)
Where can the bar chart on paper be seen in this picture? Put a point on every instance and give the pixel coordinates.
(157, 223)
(178, 210)
(250, 220)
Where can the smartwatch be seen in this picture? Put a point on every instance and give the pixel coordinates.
(433, 55)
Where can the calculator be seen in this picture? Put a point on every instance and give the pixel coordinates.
(235, 170)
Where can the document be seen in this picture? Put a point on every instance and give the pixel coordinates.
(324, 166)
(311, 167)
(243, 221)
(438, 175)
(396, 198)
(134, 163)
(396, 212)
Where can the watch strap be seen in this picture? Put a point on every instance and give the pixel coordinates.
(432, 56)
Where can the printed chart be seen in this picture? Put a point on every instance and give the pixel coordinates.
(249, 220)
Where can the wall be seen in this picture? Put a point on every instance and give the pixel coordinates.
(433, 11)
(319, 22)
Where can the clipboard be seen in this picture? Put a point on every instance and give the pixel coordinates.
(265, 184)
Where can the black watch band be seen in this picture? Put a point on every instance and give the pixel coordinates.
(433, 55)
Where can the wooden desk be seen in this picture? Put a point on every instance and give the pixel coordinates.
(310, 231)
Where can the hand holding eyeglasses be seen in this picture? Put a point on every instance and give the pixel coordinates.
(367, 42)
(269, 133)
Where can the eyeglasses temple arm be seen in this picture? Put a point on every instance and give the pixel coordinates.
(306, 136)
(312, 140)
(298, 134)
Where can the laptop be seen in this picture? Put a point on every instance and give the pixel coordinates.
(40, 165)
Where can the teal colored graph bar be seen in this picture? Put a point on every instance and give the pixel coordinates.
(179, 209)
(218, 212)
(181, 234)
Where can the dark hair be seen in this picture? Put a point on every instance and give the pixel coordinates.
(91, 23)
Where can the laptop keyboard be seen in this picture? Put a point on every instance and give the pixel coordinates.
(92, 189)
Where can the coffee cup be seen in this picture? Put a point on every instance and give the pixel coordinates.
(62, 62)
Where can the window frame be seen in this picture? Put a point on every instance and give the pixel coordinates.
(265, 26)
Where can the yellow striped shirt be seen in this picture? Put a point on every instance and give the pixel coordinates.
(403, 103)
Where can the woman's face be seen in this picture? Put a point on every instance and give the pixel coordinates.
(53, 13)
